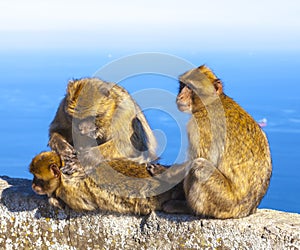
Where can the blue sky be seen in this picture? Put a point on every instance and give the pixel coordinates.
(230, 24)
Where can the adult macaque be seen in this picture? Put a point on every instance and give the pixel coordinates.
(102, 121)
(232, 167)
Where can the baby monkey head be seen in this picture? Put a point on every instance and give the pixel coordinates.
(45, 168)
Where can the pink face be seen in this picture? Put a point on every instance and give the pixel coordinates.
(184, 99)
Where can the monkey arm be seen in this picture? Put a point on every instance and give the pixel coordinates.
(56, 202)
(66, 152)
(93, 156)
(62, 147)
(59, 144)
(139, 137)
(156, 169)
(62, 123)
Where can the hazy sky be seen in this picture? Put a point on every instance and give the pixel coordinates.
(157, 23)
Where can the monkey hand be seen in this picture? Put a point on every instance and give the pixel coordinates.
(202, 169)
(156, 169)
(56, 203)
(71, 164)
(66, 152)
(61, 146)
(71, 167)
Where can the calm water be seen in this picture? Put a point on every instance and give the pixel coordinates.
(265, 84)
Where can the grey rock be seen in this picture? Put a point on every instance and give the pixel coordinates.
(28, 222)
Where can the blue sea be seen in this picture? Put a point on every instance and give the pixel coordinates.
(265, 83)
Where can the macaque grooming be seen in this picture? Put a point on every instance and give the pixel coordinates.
(101, 189)
(102, 121)
(233, 167)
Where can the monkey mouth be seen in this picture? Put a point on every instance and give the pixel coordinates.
(39, 192)
(183, 107)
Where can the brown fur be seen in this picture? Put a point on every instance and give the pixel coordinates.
(104, 188)
(103, 122)
(233, 169)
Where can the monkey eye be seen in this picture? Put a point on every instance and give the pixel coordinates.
(38, 182)
(181, 86)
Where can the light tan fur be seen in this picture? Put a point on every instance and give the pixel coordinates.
(102, 121)
(101, 189)
(232, 167)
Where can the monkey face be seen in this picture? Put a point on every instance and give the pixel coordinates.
(42, 187)
(184, 98)
(45, 168)
(198, 87)
(86, 127)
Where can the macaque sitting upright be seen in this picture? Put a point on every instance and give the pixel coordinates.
(232, 163)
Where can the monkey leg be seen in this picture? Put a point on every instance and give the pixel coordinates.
(208, 192)
(55, 202)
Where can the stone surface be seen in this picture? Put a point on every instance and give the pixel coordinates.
(28, 222)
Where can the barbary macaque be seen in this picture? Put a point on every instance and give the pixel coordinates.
(232, 167)
(102, 121)
(118, 185)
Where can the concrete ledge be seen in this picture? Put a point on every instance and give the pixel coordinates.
(28, 222)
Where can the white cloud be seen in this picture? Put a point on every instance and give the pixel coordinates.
(65, 15)
(91, 14)
(156, 20)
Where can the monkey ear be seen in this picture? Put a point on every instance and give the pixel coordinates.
(218, 86)
(55, 170)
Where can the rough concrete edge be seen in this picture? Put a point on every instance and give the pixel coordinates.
(28, 222)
